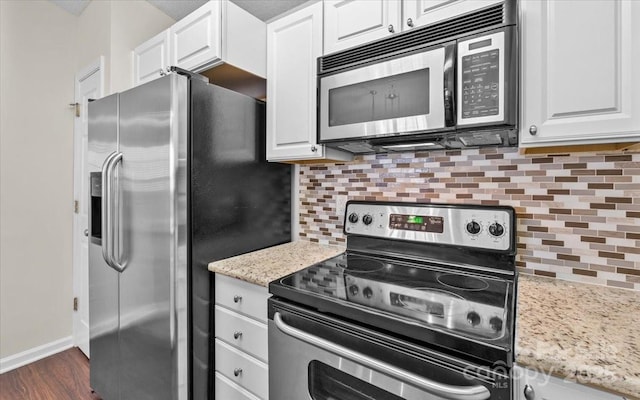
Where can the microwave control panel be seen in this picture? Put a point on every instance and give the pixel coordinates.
(481, 79)
(481, 84)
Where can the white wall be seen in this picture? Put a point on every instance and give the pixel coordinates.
(37, 65)
(41, 49)
(94, 37)
(132, 22)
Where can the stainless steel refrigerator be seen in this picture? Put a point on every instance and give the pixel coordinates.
(178, 179)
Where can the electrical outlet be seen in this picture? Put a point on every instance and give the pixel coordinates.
(341, 205)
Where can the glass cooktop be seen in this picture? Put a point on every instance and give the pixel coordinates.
(470, 305)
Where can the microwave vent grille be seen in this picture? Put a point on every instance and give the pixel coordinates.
(485, 18)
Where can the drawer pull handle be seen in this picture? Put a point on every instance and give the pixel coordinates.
(237, 299)
(237, 371)
(237, 334)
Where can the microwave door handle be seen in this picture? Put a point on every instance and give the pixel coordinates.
(443, 390)
(449, 71)
(105, 214)
(115, 219)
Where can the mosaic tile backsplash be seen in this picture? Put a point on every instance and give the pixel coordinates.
(578, 213)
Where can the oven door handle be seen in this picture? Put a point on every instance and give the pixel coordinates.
(443, 390)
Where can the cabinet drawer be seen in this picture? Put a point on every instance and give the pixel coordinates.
(242, 297)
(227, 390)
(239, 331)
(254, 375)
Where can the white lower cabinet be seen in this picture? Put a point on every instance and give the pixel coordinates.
(240, 340)
(242, 369)
(244, 333)
(226, 389)
(536, 385)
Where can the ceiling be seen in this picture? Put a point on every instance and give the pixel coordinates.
(177, 9)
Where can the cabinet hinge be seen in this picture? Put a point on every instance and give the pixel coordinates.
(76, 206)
(75, 304)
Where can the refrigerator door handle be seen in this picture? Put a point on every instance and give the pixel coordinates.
(106, 207)
(114, 234)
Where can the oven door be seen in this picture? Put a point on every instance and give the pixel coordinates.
(402, 95)
(313, 356)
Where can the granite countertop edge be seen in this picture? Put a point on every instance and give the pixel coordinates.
(263, 266)
(573, 331)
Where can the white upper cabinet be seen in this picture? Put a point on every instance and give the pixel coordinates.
(294, 43)
(218, 32)
(580, 72)
(151, 58)
(422, 12)
(348, 23)
(196, 39)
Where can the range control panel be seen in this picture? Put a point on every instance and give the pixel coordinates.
(481, 227)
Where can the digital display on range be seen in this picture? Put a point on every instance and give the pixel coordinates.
(416, 304)
(420, 223)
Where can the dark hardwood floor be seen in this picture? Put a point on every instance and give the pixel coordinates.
(63, 376)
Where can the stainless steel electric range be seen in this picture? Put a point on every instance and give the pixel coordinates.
(420, 306)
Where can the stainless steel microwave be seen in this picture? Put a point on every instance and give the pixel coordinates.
(452, 84)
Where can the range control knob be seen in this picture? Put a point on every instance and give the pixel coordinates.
(473, 228)
(353, 290)
(367, 219)
(496, 229)
(496, 324)
(367, 292)
(353, 218)
(473, 318)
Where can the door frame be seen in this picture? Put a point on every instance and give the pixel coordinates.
(95, 67)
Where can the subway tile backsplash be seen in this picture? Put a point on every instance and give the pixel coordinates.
(578, 213)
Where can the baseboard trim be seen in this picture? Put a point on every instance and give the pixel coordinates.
(37, 353)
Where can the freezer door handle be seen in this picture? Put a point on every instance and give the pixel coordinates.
(114, 194)
(105, 214)
(443, 390)
(109, 235)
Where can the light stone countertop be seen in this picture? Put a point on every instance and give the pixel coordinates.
(263, 266)
(584, 333)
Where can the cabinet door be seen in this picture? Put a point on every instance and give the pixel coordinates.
(422, 12)
(580, 72)
(293, 45)
(196, 39)
(348, 23)
(151, 58)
